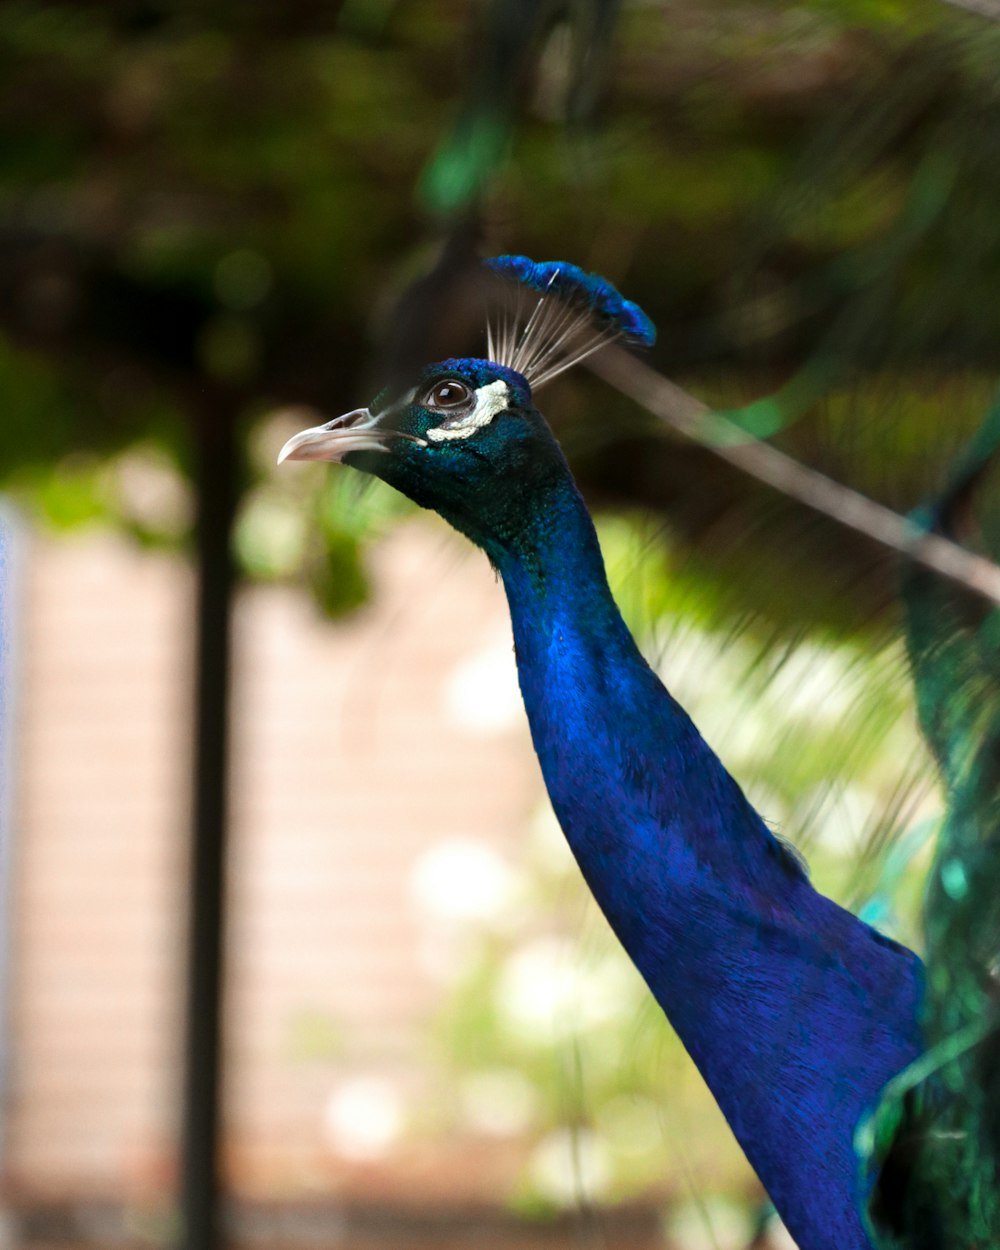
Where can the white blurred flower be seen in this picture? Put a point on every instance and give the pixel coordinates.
(567, 1166)
(481, 693)
(363, 1118)
(151, 491)
(544, 993)
(459, 879)
(711, 1223)
(536, 993)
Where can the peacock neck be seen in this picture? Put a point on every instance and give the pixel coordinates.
(760, 975)
(554, 575)
(600, 717)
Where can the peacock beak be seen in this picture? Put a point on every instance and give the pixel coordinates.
(354, 431)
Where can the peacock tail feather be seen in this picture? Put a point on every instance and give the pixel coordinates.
(936, 1135)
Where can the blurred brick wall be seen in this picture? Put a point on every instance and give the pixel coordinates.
(359, 746)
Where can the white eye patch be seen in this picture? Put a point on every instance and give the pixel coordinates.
(490, 400)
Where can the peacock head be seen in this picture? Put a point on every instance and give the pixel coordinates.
(464, 438)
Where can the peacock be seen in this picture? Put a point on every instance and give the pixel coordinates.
(797, 1013)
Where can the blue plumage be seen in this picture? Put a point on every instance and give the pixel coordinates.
(795, 1011)
(586, 290)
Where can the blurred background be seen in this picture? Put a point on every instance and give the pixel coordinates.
(222, 222)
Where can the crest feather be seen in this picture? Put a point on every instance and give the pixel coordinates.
(570, 314)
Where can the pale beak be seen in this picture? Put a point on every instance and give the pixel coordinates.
(354, 431)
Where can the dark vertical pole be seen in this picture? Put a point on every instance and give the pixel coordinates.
(12, 556)
(217, 473)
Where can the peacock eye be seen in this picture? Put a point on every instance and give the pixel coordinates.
(449, 394)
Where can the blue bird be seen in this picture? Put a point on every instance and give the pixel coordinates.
(796, 1013)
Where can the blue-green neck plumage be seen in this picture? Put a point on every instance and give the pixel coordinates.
(795, 1012)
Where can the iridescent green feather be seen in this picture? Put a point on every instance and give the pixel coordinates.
(937, 1132)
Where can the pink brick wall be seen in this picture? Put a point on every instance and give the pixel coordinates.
(338, 788)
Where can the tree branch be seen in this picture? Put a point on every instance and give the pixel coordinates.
(690, 417)
(983, 8)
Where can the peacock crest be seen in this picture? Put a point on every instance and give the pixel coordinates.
(551, 315)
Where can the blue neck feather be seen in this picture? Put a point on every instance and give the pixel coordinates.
(795, 1011)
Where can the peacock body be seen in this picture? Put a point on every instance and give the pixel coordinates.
(796, 1013)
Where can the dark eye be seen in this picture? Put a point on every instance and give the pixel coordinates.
(450, 394)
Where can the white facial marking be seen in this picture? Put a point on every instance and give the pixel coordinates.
(490, 400)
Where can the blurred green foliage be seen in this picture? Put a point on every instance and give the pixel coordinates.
(214, 210)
